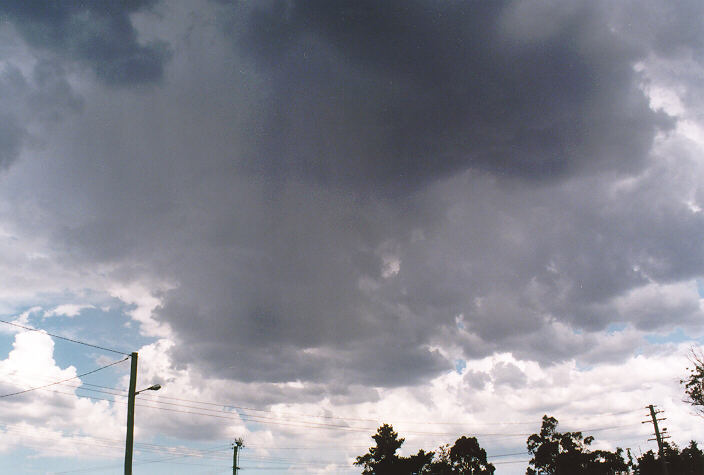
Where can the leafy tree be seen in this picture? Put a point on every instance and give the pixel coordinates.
(648, 464)
(417, 463)
(690, 461)
(382, 459)
(603, 462)
(556, 453)
(694, 382)
(468, 458)
(567, 453)
(441, 465)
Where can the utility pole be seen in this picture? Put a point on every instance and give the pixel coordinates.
(659, 437)
(130, 415)
(236, 446)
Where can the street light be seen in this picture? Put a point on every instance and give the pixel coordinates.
(130, 412)
(154, 387)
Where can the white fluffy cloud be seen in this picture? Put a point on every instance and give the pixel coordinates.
(54, 420)
(68, 310)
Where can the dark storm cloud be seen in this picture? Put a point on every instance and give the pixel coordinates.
(399, 93)
(11, 135)
(290, 298)
(679, 26)
(41, 97)
(98, 34)
(264, 183)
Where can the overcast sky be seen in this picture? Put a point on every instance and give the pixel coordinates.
(403, 211)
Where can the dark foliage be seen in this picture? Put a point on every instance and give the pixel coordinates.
(689, 461)
(567, 453)
(694, 382)
(466, 457)
(553, 452)
(382, 459)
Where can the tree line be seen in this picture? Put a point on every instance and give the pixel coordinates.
(553, 453)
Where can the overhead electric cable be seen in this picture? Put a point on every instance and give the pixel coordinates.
(118, 443)
(161, 460)
(511, 461)
(286, 415)
(64, 338)
(154, 398)
(507, 455)
(64, 380)
(224, 414)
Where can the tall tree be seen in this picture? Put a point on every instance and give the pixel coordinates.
(689, 461)
(441, 464)
(382, 459)
(567, 453)
(468, 458)
(555, 453)
(694, 382)
(603, 462)
(416, 464)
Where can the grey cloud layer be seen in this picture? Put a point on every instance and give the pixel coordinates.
(97, 34)
(40, 98)
(331, 184)
(400, 93)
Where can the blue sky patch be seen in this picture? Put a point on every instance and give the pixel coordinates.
(102, 325)
(675, 336)
(615, 328)
(460, 365)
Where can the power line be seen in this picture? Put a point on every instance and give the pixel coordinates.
(171, 453)
(296, 463)
(145, 462)
(283, 421)
(64, 338)
(509, 462)
(263, 419)
(64, 380)
(287, 415)
(270, 421)
(229, 415)
(142, 446)
(507, 455)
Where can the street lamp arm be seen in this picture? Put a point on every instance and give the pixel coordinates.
(154, 387)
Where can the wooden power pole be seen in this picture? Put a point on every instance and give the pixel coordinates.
(236, 446)
(659, 437)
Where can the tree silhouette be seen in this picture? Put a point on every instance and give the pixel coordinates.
(382, 459)
(567, 453)
(468, 458)
(690, 461)
(416, 464)
(694, 382)
(441, 465)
